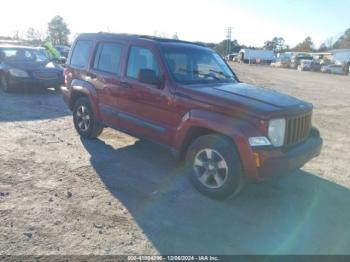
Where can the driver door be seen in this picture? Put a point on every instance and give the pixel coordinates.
(145, 109)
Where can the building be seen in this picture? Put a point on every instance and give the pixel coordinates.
(340, 56)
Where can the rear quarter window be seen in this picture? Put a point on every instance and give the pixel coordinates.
(81, 53)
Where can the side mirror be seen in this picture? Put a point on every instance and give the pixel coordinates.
(149, 76)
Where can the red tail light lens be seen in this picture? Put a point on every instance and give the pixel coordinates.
(65, 73)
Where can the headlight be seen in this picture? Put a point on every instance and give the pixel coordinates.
(276, 131)
(18, 73)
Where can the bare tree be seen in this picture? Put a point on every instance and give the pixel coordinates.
(35, 37)
(329, 42)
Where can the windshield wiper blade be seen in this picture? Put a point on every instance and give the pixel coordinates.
(200, 73)
(220, 73)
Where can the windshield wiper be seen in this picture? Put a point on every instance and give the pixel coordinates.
(200, 73)
(220, 73)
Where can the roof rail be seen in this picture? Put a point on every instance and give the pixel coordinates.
(148, 37)
(161, 39)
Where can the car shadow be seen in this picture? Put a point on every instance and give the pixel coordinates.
(298, 214)
(31, 104)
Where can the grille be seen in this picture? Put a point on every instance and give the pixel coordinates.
(44, 75)
(297, 129)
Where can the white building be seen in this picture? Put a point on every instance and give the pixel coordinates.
(340, 55)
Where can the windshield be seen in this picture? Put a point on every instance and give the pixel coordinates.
(193, 66)
(23, 55)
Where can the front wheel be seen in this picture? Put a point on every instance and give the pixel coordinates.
(215, 167)
(84, 119)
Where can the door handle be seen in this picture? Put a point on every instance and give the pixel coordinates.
(125, 85)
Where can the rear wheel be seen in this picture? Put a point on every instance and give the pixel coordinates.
(84, 119)
(4, 84)
(215, 167)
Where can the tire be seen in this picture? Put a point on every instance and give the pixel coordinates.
(84, 120)
(4, 84)
(204, 175)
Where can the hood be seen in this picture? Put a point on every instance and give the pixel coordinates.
(34, 65)
(250, 98)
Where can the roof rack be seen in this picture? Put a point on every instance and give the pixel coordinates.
(161, 39)
(148, 37)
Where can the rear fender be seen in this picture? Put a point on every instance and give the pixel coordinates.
(83, 87)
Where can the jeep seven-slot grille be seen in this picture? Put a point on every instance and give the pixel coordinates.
(297, 129)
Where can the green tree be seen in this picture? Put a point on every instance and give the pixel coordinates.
(221, 47)
(306, 46)
(58, 31)
(343, 41)
(277, 44)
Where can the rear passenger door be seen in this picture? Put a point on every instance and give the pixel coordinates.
(105, 75)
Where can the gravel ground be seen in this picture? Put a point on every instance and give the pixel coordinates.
(118, 195)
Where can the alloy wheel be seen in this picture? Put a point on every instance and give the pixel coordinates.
(210, 168)
(83, 118)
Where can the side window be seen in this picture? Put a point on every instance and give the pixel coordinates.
(81, 52)
(141, 58)
(107, 58)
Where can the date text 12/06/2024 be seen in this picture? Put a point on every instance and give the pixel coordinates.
(174, 258)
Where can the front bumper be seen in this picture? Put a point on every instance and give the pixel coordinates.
(24, 82)
(279, 162)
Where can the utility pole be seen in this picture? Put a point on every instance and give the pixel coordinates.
(228, 39)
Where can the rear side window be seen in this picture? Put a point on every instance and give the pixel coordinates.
(107, 58)
(81, 52)
(141, 58)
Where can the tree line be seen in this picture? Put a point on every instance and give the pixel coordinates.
(58, 33)
(277, 44)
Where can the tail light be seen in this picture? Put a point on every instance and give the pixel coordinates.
(65, 73)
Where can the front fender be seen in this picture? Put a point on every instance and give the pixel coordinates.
(83, 87)
(237, 129)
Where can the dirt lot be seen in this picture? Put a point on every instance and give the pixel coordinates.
(117, 195)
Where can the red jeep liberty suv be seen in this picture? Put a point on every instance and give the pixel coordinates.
(184, 96)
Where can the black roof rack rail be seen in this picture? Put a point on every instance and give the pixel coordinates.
(161, 39)
(148, 37)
